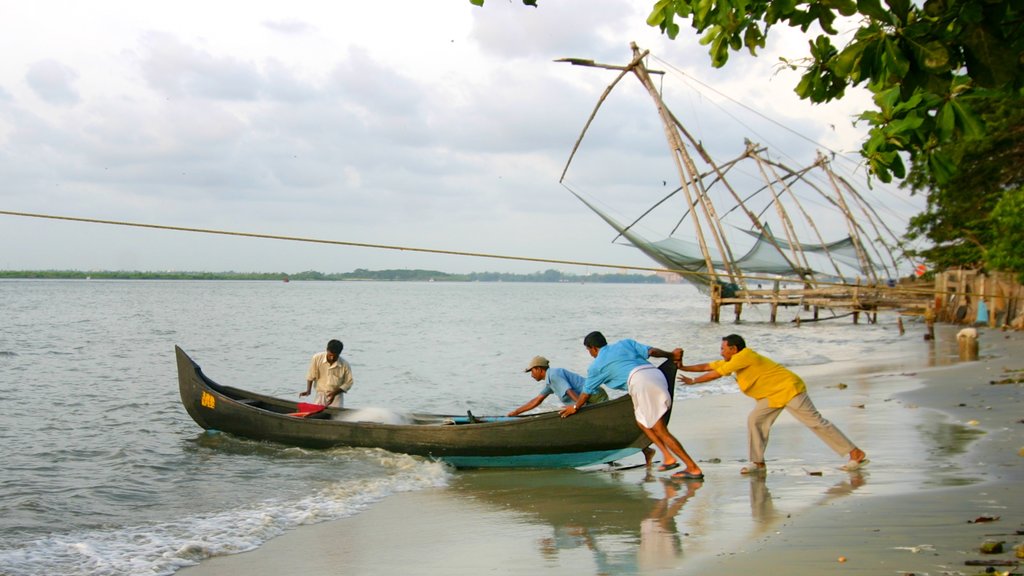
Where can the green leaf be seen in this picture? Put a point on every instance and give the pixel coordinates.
(941, 166)
(906, 124)
(894, 63)
(849, 59)
(844, 7)
(887, 99)
(661, 12)
(873, 9)
(972, 127)
(934, 57)
(934, 8)
(753, 38)
(945, 121)
(779, 10)
(700, 11)
(897, 167)
(990, 62)
(900, 9)
(672, 30)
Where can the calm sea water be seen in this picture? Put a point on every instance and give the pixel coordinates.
(105, 473)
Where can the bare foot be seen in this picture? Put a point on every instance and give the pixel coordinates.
(648, 456)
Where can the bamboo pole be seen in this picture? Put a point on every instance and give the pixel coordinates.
(865, 262)
(684, 165)
(787, 224)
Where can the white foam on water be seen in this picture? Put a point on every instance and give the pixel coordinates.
(373, 414)
(163, 548)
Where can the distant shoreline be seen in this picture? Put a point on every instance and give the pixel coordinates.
(552, 276)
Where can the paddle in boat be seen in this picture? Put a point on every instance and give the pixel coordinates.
(597, 434)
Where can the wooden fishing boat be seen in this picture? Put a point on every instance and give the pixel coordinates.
(599, 433)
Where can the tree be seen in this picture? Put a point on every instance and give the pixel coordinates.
(960, 219)
(1008, 223)
(924, 62)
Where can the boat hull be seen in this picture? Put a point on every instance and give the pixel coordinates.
(598, 433)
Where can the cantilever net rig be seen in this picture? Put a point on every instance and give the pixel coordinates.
(752, 217)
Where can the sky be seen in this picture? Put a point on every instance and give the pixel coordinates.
(437, 126)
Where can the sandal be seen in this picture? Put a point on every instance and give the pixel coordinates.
(854, 465)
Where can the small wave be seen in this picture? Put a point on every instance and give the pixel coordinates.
(163, 548)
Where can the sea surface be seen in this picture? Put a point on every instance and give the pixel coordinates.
(104, 473)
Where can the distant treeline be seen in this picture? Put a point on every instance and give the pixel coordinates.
(355, 275)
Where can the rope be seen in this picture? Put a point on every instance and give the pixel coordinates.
(336, 242)
(424, 250)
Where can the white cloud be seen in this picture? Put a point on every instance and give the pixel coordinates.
(407, 123)
(53, 82)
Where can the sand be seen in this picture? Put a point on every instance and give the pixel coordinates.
(945, 446)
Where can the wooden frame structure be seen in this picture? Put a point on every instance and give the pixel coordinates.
(856, 280)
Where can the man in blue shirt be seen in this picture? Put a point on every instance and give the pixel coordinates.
(564, 384)
(624, 365)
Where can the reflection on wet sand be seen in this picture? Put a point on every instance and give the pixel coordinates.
(626, 527)
(762, 508)
(660, 545)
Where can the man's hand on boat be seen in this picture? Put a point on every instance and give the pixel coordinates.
(571, 409)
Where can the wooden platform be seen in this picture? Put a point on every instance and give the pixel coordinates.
(837, 301)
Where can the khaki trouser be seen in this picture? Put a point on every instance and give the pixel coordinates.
(599, 396)
(761, 418)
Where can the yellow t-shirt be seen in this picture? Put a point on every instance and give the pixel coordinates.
(760, 377)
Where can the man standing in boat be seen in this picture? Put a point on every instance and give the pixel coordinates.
(332, 375)
(624, 366)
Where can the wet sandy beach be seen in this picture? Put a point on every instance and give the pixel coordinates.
(945, 448)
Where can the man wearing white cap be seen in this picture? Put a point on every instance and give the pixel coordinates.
(564, 384)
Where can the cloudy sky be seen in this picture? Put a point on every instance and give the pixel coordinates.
(432, 125)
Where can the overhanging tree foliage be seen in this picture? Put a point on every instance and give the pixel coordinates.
(923, 61)
(961, 216)
(1006, 251)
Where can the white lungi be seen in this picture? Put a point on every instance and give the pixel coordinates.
(649, 391)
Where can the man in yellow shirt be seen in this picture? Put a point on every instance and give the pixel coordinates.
(775, 388)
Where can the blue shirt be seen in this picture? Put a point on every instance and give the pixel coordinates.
(613, 364)
(559, 381)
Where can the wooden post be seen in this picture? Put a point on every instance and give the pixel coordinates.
(775, 300)
(716, 301)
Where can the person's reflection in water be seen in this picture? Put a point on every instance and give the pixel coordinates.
(566, 537)
(762, 510)
(659, 545)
